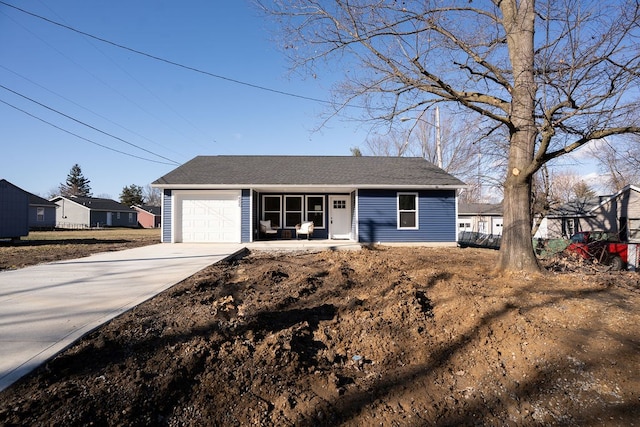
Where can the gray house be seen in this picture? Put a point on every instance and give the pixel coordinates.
(485, 218)
(42, 213)
(362, 199)
(87, 212)
(14, 211)
(618, 213)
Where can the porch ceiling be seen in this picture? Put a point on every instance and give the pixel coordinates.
(304, 189)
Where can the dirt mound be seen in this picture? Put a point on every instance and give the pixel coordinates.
(392, 336)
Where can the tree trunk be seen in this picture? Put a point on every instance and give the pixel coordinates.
(516, 248)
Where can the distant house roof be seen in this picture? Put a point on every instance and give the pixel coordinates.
(96, 203)
(39, 201)
(154, 210)
(480, 209)
(587, 207)
(279, 171)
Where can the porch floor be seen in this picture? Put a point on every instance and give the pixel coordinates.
(303, 245)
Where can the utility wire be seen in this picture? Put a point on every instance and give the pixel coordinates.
(157, 58)
(81, 137)
(88, 125)
(86, 109)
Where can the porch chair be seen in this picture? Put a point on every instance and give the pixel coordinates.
(304, 228)
(267, 230)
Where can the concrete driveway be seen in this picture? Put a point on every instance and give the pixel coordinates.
(45, 308)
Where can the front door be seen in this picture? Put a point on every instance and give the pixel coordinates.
(340, 217)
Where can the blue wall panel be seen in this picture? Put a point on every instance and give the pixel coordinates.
(166, 216)
(377, 211)
(14, 211)
(245, 235)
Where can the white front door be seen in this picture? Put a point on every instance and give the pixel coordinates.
(340, 217)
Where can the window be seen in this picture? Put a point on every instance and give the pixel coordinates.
(271, 209)
(39, 214)
(118, 215)
(130, 217)
(408, 211)
(634, 229)
(292, 211)
(315, 210)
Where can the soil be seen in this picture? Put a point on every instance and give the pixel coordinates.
(383, 336)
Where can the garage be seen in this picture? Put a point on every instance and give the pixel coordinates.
(208, 217)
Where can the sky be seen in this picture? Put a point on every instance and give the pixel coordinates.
(125, 118)
(128, 119)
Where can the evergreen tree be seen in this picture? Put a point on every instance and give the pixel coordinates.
(76, 184)
(131, 195)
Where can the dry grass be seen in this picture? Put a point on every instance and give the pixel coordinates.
(46, 246)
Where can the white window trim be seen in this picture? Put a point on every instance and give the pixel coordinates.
(285, 211)
(264, 196)
(324, 204)
(417, 200)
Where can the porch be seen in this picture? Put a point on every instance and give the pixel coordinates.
(304, 245)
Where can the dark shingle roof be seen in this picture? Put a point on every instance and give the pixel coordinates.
(98, 204)
(39, 201)
(309, 170)
(480, 209)
(154, 210)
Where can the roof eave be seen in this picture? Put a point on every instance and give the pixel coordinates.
(309, 186)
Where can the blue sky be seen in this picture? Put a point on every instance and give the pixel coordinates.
(155, 110)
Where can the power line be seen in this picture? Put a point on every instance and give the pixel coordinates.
(88, 125)
(157, 58)
(83, 138)
(86, 109)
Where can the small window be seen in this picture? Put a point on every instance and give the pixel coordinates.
(292, 211)
(339, 204)
(118, 215)
(40, 214)
(634, 229)
(130, 217)
(315, 210)
(271, 209)
(407, 211)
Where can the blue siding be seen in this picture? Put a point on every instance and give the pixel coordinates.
(49, 220)
(245, 235)
(166, 216)
(14, 211)
(377, 216)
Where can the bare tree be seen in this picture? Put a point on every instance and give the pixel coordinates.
(152, 196)
(553, 74)
(619, 163)
(450, 143)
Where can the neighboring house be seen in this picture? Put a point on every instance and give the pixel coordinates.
(88, 212)
(363, 199)
(42, 213)
(485, 218)
(14, 211)
(619, 213)
(148, 216)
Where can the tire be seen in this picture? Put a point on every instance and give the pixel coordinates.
(616, 263)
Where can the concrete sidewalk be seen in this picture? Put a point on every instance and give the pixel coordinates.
(45, 308)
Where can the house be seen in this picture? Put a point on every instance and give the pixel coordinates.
(485, 218)
(42, 213)
(362, 199)
(88, 212)
(14, 211)
(148, 216)
(618, 213)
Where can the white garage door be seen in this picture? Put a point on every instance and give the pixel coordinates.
(211, 218)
